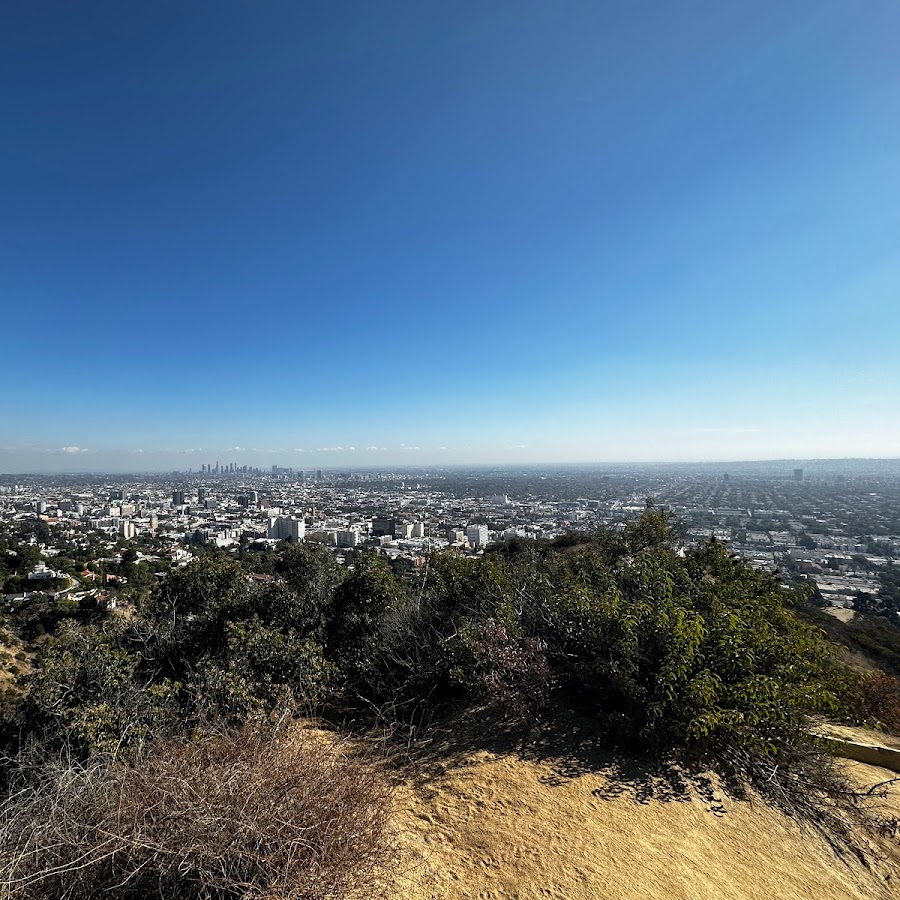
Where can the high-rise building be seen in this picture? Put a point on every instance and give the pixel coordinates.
(383, 525)
(477, 535)
(284, 528)
(798, 474)
(177, 498)
(201, 494)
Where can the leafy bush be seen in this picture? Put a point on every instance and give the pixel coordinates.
(691, 649)
(669, 648)
(262, 670)
(245, 814)
(90, 693)
(687, 650)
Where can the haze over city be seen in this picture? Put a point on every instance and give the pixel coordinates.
(361, 235)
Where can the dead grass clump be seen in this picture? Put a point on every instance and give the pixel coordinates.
(249, 815)
(876, 698)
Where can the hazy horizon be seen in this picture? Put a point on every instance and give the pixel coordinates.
(812, 465)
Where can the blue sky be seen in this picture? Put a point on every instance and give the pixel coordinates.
(448, 232)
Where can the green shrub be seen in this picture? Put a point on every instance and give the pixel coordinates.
(91, 694)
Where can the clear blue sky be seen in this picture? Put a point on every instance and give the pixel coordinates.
(448, 231)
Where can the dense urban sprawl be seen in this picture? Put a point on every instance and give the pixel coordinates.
(836, 524)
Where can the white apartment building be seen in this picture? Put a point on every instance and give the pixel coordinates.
(284, 527)
(477, 535)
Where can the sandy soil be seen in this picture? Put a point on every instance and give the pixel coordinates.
(10, 646)
(842, 614)
(494, 825)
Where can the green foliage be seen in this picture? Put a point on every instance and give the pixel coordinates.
(668, 648)
(262, 670)
(311, 572)
(87, 692)
(689, 650)
(246, 649)
(356, 613)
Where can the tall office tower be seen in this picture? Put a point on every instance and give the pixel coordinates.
(177, 498)
(319, 475)
(201, 494)
(798, 474)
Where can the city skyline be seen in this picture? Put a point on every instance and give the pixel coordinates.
(75, 461)
(550, 233)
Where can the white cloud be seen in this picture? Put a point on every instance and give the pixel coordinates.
(727, 429)
(72, 450)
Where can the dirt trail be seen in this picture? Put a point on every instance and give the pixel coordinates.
(494, 825)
